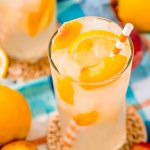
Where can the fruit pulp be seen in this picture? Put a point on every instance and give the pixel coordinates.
(90, 82)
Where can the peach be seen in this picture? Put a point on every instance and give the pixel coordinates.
(15, 115)
(20, 145)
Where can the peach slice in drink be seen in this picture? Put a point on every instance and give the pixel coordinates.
(65, 90)
(68, 33)
(86, 119)
(108, 68)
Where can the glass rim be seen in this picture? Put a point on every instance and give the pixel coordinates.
(92, 83)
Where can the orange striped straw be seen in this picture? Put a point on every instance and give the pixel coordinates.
(122, 38)
(71, 134)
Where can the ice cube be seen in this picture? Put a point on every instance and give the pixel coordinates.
(71, 68)
(66, 65)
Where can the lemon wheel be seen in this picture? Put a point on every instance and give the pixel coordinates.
(3, 63)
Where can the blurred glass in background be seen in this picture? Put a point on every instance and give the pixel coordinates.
(26, 27)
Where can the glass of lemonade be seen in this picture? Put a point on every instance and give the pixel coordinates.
(27, 28)
(90, 83)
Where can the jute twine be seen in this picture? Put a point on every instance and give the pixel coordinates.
(24, 71)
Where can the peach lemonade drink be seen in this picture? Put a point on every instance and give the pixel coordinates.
(90, 83)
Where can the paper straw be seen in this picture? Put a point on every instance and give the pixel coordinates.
(122, 38)
(71, 134)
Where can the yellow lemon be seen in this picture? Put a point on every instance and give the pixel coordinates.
(3, 63)
(15, 115)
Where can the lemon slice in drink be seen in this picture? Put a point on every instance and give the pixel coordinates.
(3, 63)
(90, 47)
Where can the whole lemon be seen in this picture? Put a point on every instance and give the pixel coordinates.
(20, 145)
(15, 115)
(136, 12)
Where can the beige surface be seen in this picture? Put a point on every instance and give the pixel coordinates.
(23, 71)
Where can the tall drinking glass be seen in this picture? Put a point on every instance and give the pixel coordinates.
(87, 89)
